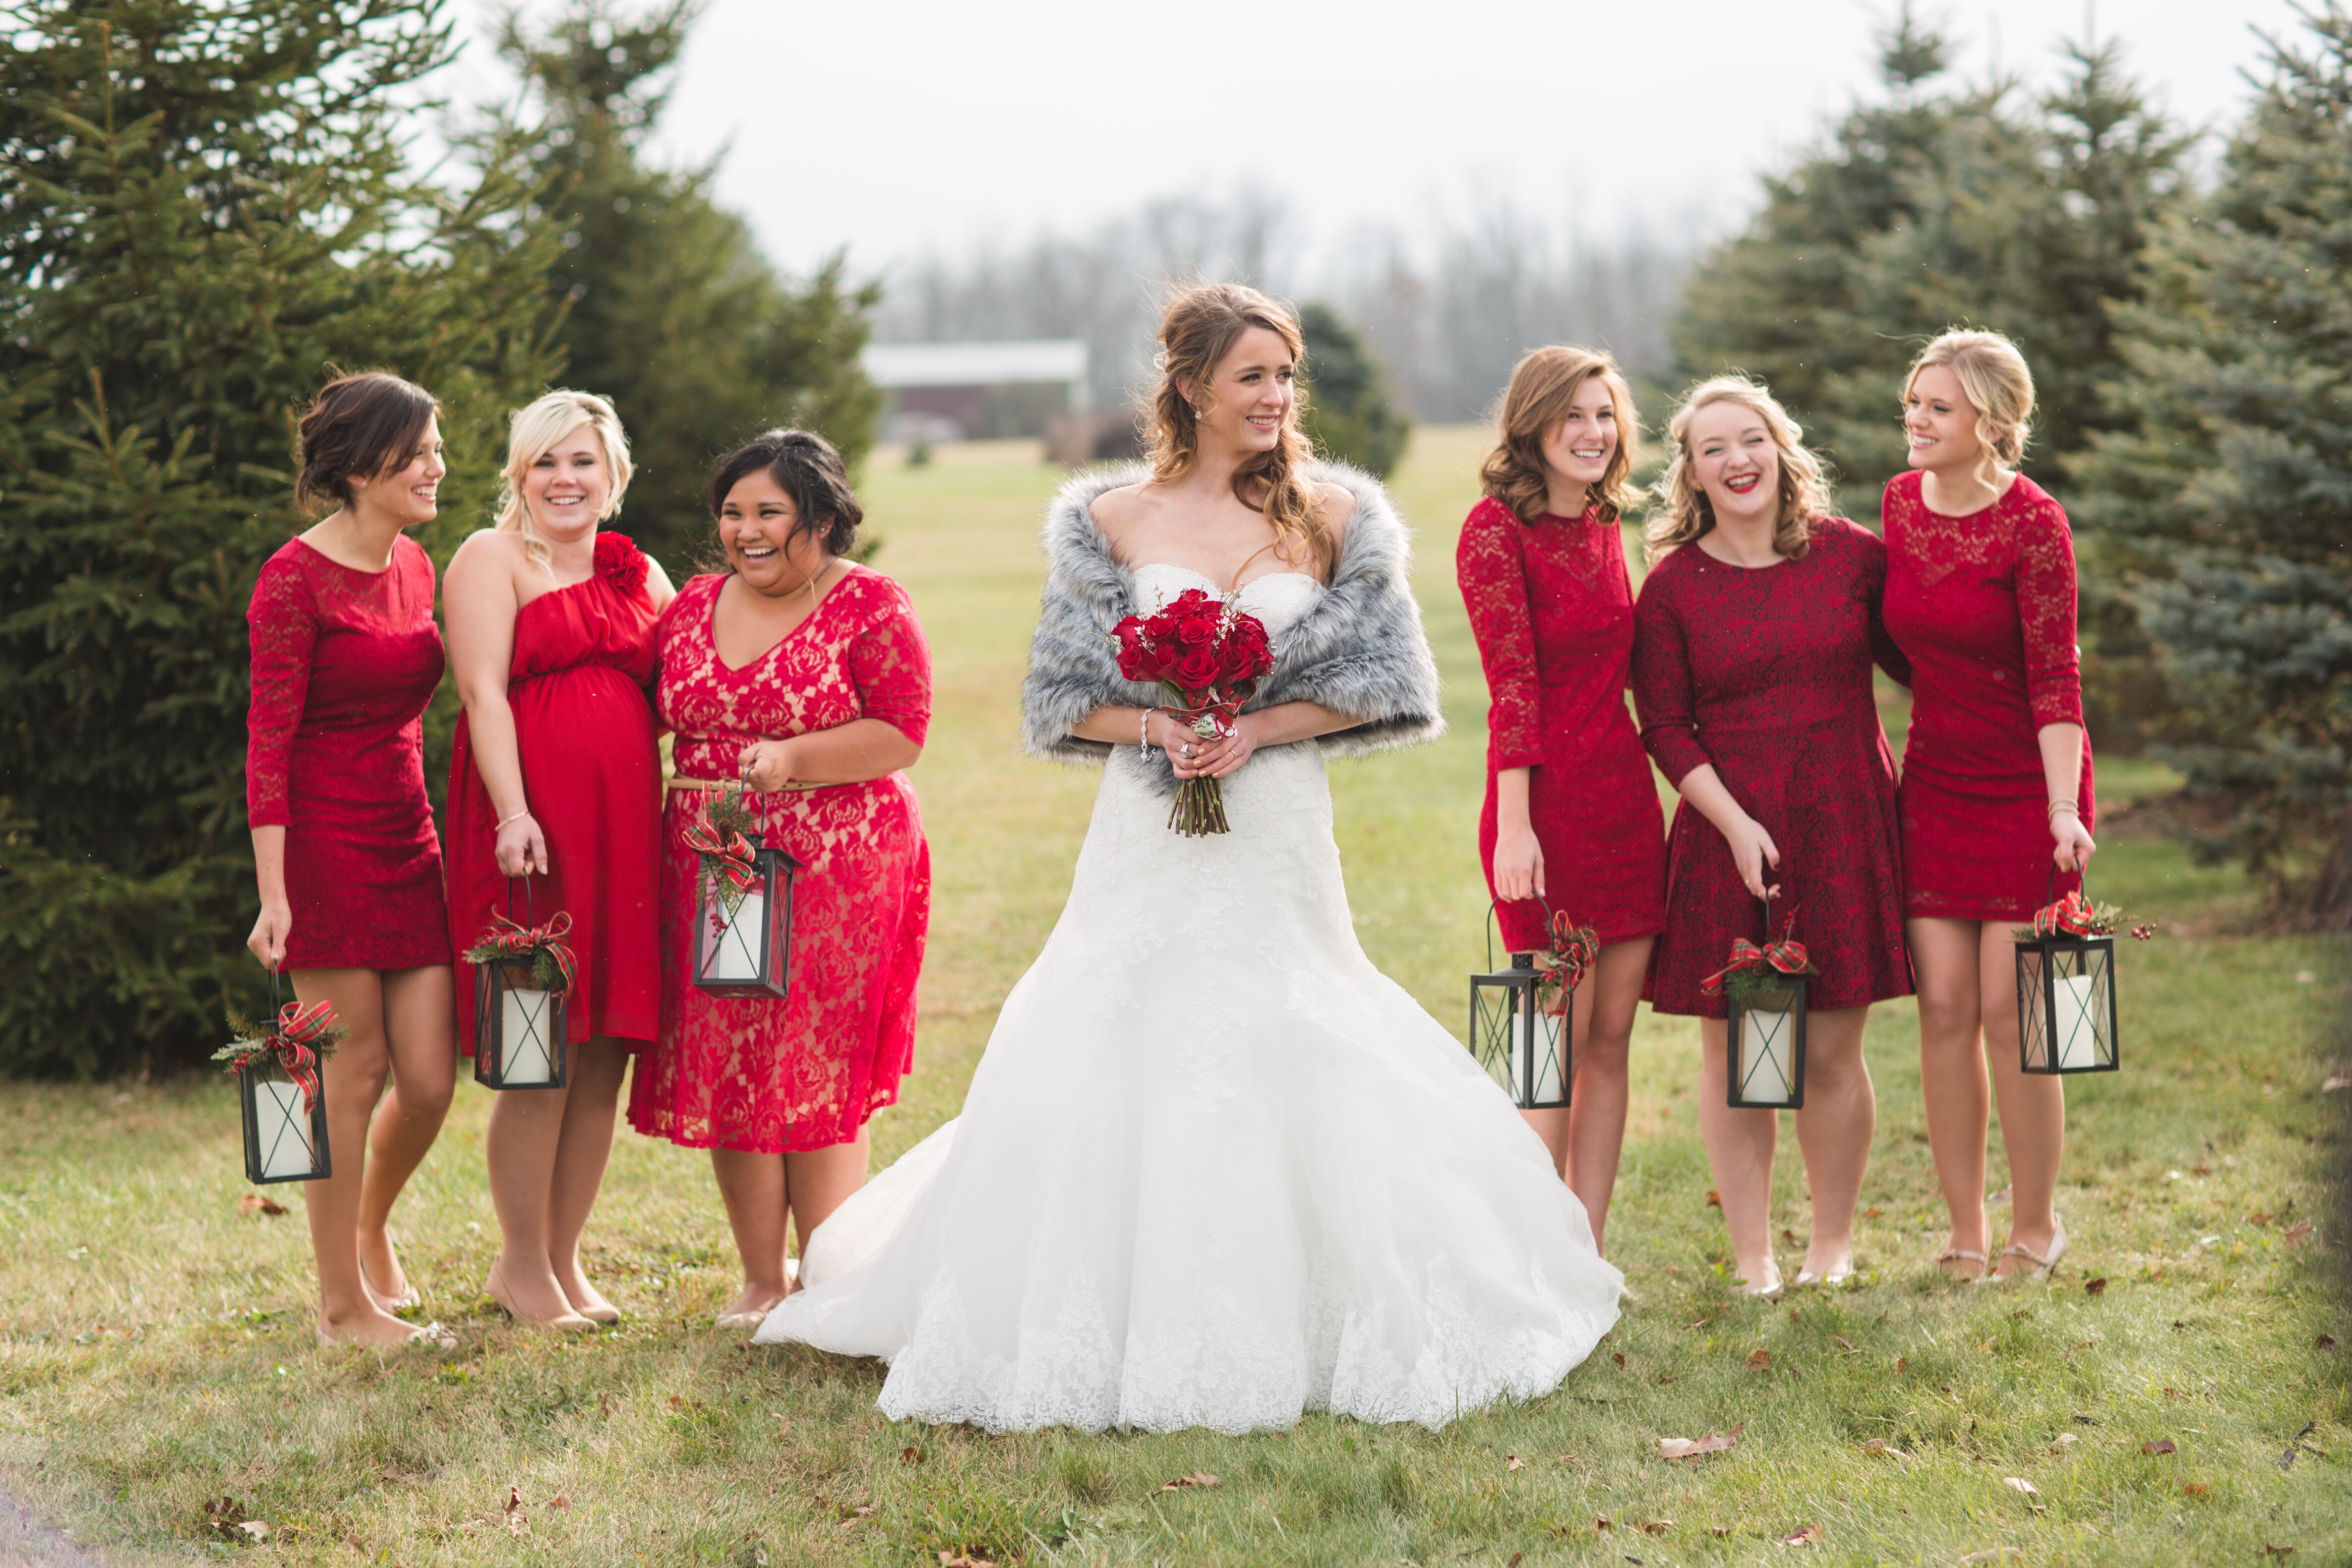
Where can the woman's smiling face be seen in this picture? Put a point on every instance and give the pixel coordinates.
(756, 528)
(1938, 423)
(1737, 462)
(1251, 393)
(568, 488)
(1579, 447)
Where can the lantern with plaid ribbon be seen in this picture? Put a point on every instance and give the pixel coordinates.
(522, 977)
(281, 1095)
(1764, 1036)
(1522, 1018)
(742, 906)
(2066, 988)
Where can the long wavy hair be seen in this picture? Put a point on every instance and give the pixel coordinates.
(1197, 329)
(533, 432)
(1543, 385)
(1999, 387)
(1684, 512)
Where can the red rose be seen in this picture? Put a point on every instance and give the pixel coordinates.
(620, 563)
(1197, 670)
(1196, 630)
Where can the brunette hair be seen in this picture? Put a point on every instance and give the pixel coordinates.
(533, 432)
(1683, 511)
(1197, 329)
(1999, 386)
(358, 427)
(1543, 383)
(806, 467)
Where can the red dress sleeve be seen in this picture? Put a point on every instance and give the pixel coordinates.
(1491, 567)
(2046, 614)
(890, 664)
(282, 627)
(1663, 693)
(1884, 650)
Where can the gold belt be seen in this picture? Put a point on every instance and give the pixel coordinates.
(719, 786)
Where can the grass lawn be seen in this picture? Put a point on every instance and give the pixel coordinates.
(156, 1354)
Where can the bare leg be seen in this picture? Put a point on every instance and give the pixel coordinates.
(1834, 1130)
(819, 1182)
(2032, 1107)
(1595, 1131)
(581, 1152)
(525, 1131)
(422, 1039)
(1945, 955)
(752, 1188)
(353, 1078)
(1740, 1153)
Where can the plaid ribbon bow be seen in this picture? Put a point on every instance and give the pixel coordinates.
(1788, 955)
(2070, 916)
(300, 1027)
(1574, 950)
(730, 855)
(508, 938)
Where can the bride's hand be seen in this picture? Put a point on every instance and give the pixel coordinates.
(1219, 757)
(1161, 731)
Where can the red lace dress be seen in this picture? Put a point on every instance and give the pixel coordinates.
(1983, 607)
(1552, 607)
(343, 663)
(583, 656)
(803, 1072)
(1765, 673)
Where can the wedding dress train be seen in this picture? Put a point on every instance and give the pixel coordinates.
(1214, 1169)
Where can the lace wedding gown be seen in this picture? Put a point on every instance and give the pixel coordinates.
(1214, 1170)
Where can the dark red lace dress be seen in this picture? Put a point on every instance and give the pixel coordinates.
(343, 663)
(583, 656)
(1552, 607)
(1983, 607)
(1765, 673)
(803, 1072)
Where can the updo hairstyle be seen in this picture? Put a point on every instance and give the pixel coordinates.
(1197, 329)
(1999, 387)
(1543, 385)
(1685, 513)
(533, 432)
(359, 428)
(806, 467)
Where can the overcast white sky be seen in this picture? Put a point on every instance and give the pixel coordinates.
(893, 128)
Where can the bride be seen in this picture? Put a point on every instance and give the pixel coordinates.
(1216, 1170)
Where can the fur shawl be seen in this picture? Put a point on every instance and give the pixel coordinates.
(1359, 648)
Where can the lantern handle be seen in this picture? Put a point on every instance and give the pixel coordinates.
(1493, 904)
(530, 913)
(2082, 883)
(1768, 920)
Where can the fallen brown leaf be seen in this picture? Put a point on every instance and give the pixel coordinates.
(1760, 1359)
(2095, 1287)
(258, 1203)
(910, 1455)
(1618, 1356)
(1200, 1479)
(1513, 1462)
(2159, 1446)
(1809, 1536)
(2019, 1484)
(1516, 1558)
(2270, 1551)
(1718, 1530)
(2195, 1488)
(516, 1523)
(2296, 1232)
(1872, 1213)
(1900, 1362)
(956, 1559)
(1880, 1446)
(1692, 1448)
(253, 1530)
(1788, 1238)
(1656, 1526)
(1598, 1524)
(2327, 1341)
(1713, 1199)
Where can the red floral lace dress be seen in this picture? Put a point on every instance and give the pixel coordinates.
(583, 656)
(803, 1072)
(1551, 605)
(1983, 607)
(343, 663)
(1765, 673)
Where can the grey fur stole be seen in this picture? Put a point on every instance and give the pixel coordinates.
(1359, 649)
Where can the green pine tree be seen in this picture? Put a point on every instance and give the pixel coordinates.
(203, 207)
(2225, 480)
(1351, 413)
(672, 311)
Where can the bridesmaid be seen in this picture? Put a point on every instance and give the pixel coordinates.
(807, 675)
(1980, 596)
(345, 658)
(1572, 815)
(1753, 642)
(554, 785)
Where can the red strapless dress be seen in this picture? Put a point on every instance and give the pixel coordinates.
(583, 656)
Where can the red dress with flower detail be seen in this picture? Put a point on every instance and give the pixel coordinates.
(1983, 607)
(344, 662)
(1765, 673)
(1551, 605)
(584, 655)
(805, 1071)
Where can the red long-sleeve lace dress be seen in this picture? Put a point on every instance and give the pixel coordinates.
(805, 1071)
(1983, 607)
(1551, 606)
(584, 734)
(344, 662)
(1765, 673)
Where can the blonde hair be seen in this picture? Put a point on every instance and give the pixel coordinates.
(533, 432)
(1683, 511)
(1543, 385)
(1197, 329)
(1999, 386)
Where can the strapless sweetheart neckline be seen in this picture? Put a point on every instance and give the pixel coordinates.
(1212, 582)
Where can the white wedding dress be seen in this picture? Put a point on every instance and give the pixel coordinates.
(1214, 1170)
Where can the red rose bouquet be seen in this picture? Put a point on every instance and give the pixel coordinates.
(1209, 656)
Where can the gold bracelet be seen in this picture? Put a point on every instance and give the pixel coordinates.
(2058, 806)
(518, 817)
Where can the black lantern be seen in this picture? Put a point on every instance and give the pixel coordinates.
(285, 1131)
(2066, 1004)
(518, 1024)
(1764, 1037)
(1529, 1052)
(745, 951)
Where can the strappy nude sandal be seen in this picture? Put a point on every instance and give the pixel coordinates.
(2042, 1266)
(1965, 1255)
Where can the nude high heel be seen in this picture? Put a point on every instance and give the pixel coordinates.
(566, 1321)
(2040, 1268)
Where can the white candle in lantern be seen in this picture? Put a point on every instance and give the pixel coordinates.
(737, 954)
(1551, 1057)
(285, 1129)
(1763, 1056)
(2073, 996)
(524, 1020)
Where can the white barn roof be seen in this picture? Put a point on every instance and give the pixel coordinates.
(974, 364)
